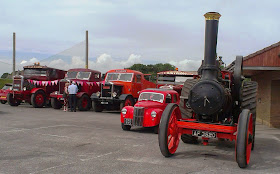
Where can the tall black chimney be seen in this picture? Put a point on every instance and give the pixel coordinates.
(209, 69)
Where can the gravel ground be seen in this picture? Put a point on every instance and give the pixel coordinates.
(52, 141)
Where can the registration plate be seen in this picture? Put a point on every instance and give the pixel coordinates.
(104, 103)
(127, 121)
(205, 134)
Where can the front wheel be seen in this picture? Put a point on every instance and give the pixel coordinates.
(169, 136)
(3, 101)
(244, 138)
(11, 100)
(38, 99)
(129, 101)
(56, 104)
(97, 107)
(84, 103)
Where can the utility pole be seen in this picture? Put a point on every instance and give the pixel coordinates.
(14, 54)
(86, 49)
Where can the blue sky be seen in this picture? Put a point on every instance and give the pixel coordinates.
(138, 31)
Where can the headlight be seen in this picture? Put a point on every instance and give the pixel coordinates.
(98, 94)
(153, 114)
(24, 88)
(114, 94)
(55, 92)
(124, 111)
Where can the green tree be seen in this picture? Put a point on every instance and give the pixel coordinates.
(4, 75)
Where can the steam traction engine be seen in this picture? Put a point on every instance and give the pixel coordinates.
(218, 105)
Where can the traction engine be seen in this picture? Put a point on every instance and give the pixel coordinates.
(221, 104)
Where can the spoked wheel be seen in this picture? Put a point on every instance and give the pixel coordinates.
(169, 136)
(244, 139)
(38, 99)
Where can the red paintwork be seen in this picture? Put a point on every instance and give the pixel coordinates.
(150, 106)
(4, 92)
(51, 74)
(132, 87)
(85, 88)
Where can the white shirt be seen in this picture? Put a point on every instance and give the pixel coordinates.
(72, 89)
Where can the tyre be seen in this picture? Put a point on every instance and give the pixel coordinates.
(97, 107)
(156, 129)
(186, 112)
(168, 135)
(129, 101)
(38, 99)
(84, 103)
(12, 101)
(3, 101)
(126, 127)
(56, 104)
(249, 101)
(244, 138)
(186, 138)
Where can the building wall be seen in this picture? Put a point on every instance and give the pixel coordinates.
(268, 106)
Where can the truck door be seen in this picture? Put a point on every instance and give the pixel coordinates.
(137, 85)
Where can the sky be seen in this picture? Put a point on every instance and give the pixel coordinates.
(122, 33)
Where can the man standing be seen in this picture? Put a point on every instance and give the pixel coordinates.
(72, 89)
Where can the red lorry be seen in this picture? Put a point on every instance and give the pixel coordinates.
(148, 109)
(120, 88)
(174, 79)
(88, 82)
(35, 85)
(4, 92)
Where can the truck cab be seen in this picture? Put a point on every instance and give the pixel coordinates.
(88, 82)
(174, 79)
(35, 85)
(120, 88)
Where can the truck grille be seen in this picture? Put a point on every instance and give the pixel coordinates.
(106, 90)
(17, 85)
(138, 116)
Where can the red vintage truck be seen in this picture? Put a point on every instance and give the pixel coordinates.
(35, 85)
(174, 79)
(120, 88)
(4, 92)
(88, 82)
(148, 109)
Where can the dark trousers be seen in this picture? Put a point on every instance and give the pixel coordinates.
(72, 102)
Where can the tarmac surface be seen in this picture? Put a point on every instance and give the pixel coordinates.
(52, 141)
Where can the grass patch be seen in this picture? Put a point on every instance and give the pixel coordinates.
(4, 81)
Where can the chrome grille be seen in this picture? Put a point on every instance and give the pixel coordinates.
(138, 116)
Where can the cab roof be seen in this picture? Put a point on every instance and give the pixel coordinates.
(190, 73)
(38, 66)
(163, 91)
(83, 70)
(123, 71)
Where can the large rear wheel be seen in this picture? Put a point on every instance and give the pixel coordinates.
(38, 99)
(244, 138)
(168, 136)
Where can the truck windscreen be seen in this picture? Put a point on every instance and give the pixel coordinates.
(119, 76)
(35, 72)
(71, 75)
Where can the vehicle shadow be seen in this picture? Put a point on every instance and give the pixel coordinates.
(266, 154)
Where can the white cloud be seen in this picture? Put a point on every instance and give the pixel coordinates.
(186, 64)
(103, 63)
